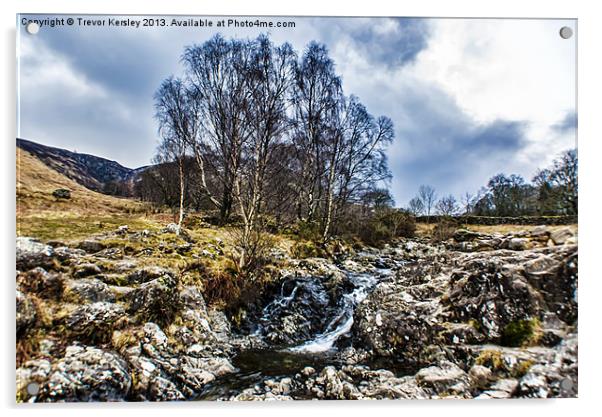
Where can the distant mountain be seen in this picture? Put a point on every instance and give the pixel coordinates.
(93, 172)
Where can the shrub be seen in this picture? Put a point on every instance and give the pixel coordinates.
(385, 225)
(307, 249)
(308, 231)
(444, 229)
(375, 233)
(521, 333)
(222, 287)
(492, 359)
(400, 223)
(256, 248)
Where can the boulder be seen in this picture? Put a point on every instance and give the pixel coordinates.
(518, 243)
(162, 389)
(91, 246)
(86, 270)
(561, 236)
(194, 373)
(87, 374)
(154, 336)
(94, 322)
(88, 290)
(32, 253)
(122, 230)
(540, 233)
(156, 300)
(389, 324)
(492, 293)
(172, 228)
(146, 274)
(480, 376)
(67, 255)
(444, 379)
(464, 235)
(30, 377)
(62, 193)
(502, 389)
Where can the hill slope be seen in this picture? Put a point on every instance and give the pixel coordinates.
(40, 214)
(91, 171)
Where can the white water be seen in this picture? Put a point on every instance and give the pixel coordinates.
(342, 323)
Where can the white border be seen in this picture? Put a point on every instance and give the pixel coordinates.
(589, 72)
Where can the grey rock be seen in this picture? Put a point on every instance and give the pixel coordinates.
(88, 290)
(480, 376)
(172, 228)
(66, 254)
(41, 282)
(33, 371)
(122, 230)
(143, 275)
(91, 246)
(32, 253)
(95, 319)
(62, 193)
(446, 378)
(87, 374)
(560, 236)
(161, 389)
(86, 270)
(156, 300)
(518, 243)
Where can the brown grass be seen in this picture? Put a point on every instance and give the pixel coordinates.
(87, 212)
(426, 229)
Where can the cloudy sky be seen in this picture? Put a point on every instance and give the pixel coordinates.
(469, 98)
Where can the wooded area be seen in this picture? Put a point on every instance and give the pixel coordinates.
(256, 130)
(260, 134)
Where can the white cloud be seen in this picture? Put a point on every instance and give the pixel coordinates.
(490, 69)
(44, 71)
(470, 74)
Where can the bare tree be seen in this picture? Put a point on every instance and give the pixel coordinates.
(468, 201)
(428, 196)
(564, 176)
(358, 161)
(447, 206)
(217, 72)
(268, 78)
(316, 98)
(416, 206)
(268, 132)
(176, 126)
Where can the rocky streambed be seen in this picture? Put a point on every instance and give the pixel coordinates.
(477, 316)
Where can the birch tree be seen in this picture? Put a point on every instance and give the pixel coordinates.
(177, 125)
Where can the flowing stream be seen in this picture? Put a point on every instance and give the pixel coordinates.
(304, 325)
(341, 324)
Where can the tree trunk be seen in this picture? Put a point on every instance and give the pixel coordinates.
(181, 173)
(329, 201)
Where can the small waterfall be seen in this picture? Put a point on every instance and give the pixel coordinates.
(311, 313)
(342, 322)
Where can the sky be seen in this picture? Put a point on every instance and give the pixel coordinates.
(469, 98)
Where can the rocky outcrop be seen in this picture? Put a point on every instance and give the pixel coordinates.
(155, 300)
(32, 253)
(88, 290)
(85, 373)
(94, 322)
(476, 316)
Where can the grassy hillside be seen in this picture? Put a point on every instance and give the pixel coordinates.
(91, 171)
(41, 215)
